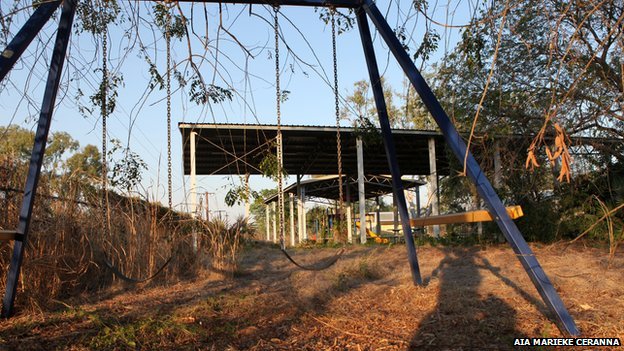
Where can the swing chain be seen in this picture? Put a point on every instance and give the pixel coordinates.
(280, 156)
(104, 115)
(168, 39)
(337, 107)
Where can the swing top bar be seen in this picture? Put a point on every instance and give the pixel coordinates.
(315, 3)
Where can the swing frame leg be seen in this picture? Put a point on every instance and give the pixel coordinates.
(25, 36)
(522, 250)
(38, 151)
(384, 121)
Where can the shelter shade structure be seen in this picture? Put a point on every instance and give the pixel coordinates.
(308, 150)
(327, 187)
(222, 160)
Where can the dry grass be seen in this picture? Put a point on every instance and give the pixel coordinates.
(475, 299)
(68, 245)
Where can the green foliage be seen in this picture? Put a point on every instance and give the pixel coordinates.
(257, 209)
(109, 90)
(284, 95)
(404, 111)
(368, 132)
(139, 334)
(428, 45)
(177, 27)
(270, 166)
(94, 17)
(59, 145)
(86, 163)
(127, 166)
(17, 143)
(239, 194)
(344, 21)
(201, 93)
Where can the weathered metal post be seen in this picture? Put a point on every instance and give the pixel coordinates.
(486, 191)
(36, 159)
(384, 121)
(291, 201)
(361, 190)
(432, 186)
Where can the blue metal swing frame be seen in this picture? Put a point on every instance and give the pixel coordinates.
(365, 10)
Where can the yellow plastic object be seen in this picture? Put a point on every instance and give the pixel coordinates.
(464, 217)
(372, 234)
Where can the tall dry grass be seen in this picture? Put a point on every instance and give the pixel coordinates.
(68, 245)
(221, 242)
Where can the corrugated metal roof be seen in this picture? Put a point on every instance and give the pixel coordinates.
(240, 148)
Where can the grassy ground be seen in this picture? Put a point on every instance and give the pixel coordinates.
(474, 299)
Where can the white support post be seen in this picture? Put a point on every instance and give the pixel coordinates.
(361, 190)
(291, 201)
(268, 223)
(247, 197)
(349, 223)
(498, 166)
(395, 216)
(433, 185)
(377, 216)
(417, 201)
(299, 210)
(304, 227)
(193, 190)
(349, 212)
(274, 222)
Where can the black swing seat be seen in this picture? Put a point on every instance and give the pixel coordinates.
(318, 266)
(117, 272)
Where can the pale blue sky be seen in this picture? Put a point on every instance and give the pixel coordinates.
(310, 101)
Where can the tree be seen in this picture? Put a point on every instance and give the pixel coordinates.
(17, 143)
(258, 209)
(526, 70)
(85, 164)
(405, 111)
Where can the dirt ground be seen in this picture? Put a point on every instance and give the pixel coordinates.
(475, 299)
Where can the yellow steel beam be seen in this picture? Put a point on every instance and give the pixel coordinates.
(464, 217)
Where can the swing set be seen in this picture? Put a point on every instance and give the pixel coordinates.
(364, 10)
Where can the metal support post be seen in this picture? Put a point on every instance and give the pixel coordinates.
(382, 112)
(25, 36)
(476, 175)
(267, 223)
(432, 187)
(377, 215)
(395, 216)
(36, 159)
(291, 201)
(417, 201)
(299, 210)
(193, 190)
(247, 204)
(304, 219)
(274, 218)
(349, 213)
(361, 189)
